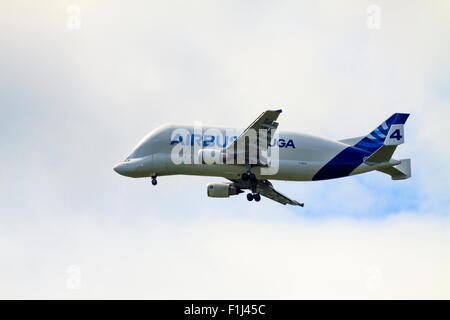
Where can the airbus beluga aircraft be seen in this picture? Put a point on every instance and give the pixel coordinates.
(250, 158)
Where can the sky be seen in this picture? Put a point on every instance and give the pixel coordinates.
(82, 82)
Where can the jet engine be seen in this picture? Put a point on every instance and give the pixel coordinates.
(222, 190)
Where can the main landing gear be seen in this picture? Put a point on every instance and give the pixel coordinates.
(249, 176)
(154, 182)
(253, 196)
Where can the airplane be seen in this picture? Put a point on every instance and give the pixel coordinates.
(214, 151)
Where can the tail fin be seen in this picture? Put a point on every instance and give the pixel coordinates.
(389, 133)
(382, 142)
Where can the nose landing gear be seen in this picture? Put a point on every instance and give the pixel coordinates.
(154, 181)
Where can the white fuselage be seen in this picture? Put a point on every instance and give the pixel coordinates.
(301, 156)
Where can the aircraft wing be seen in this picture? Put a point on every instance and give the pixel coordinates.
(250, 147)
(266, 189)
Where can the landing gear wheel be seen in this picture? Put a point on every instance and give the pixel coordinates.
(153, 176)
(257, 197)
(252, 177)
(249, 196)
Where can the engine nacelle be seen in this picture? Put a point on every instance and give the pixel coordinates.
(211, 156)
(221, 190)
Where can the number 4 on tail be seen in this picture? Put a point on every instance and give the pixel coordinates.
(396, 135)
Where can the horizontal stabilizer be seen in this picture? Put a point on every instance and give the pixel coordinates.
(381, 155)
(401, 171)
(352, 141)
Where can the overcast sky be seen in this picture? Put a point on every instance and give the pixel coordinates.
(82, 82)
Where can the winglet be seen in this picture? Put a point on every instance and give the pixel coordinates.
(279, 110)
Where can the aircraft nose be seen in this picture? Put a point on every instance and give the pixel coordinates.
(120, 169)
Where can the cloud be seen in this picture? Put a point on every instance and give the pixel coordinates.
(402, 257)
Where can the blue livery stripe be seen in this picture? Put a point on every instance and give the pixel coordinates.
(399, 118)
(380, 134)
(365, 144)
(377, 135)
(342, 165)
